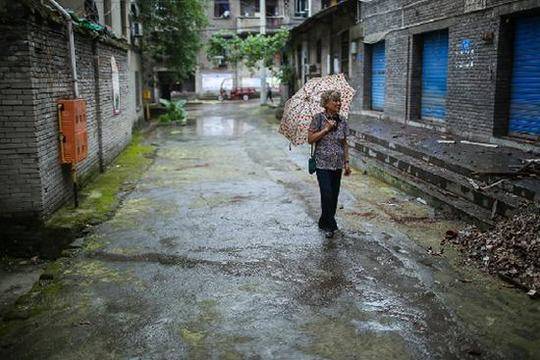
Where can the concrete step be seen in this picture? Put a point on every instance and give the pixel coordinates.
(493, 199)
(433, 195)
(528, 189)
(410, 151)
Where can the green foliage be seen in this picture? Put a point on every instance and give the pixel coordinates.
(226, 45)
(173, 31)
(176, 111)
(285, 74)
(251, 50)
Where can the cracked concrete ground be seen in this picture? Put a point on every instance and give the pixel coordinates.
(216, 255)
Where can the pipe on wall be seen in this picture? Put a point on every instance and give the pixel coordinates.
(74, 79)
(71, 46)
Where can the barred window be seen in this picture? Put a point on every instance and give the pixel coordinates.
(301, 8)
(221, 8)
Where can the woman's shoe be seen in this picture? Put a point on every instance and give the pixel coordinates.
(329, 234)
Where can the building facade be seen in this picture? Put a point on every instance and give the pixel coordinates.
(326, 43)
(243, 18)
(36, 74)
(467, 67)
(119, 17)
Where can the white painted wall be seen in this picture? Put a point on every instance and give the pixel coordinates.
(211, 82)
(134, 65)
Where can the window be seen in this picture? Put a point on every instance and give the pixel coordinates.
(107, 12)
(137, 89)
(272, 8)
(328, 3)
(301, 8)
(345, 53)
(319, 51)
(91, 11)
(222, 8)
(123, 17)
(249, 8)
(299, 58)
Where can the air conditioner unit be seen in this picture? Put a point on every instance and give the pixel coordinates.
(354, 47)
(136, 29)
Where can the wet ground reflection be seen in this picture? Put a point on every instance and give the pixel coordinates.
(220, 126)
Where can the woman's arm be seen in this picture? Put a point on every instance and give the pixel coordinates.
(314, 136)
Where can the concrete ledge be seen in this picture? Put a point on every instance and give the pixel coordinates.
(470, 161)
(451, 183)
(417, 187)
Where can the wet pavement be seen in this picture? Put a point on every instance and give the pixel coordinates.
(216, 255)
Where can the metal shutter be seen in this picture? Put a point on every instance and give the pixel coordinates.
(378, 76)
(434, 75)
(525, 97)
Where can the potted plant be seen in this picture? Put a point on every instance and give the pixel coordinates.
(176, 112)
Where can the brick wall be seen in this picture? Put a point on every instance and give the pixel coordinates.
(35, 74)
(396, 74)
(476, 90)
(116, 128)
(20, 191)
(471, 78)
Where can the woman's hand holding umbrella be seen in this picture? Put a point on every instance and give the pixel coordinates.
(329, 125)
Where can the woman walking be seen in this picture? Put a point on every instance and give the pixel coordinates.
(328, 132)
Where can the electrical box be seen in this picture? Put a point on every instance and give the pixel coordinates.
(73, 131)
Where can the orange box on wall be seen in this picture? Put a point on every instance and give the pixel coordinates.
(73, 131)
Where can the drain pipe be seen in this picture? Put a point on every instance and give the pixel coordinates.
(73, 61)
(71, 46)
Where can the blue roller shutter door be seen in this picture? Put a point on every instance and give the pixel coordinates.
(378, 76)
(434, 75)
(525, 97)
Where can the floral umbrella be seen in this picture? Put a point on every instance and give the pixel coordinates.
(301, 107)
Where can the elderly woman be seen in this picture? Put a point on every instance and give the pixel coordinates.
(328, 131)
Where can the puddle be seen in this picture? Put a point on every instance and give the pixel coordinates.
(219, 126)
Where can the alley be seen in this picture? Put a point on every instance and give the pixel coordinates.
(216, 255)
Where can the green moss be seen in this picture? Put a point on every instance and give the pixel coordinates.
(193, 338)
(93, 243)
(201, 338)
(42, 297)
(101, 197)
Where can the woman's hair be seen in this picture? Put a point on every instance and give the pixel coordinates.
(328, 95)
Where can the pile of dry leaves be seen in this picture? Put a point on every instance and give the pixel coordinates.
(511, 249)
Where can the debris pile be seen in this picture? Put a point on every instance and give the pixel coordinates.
(511, 249)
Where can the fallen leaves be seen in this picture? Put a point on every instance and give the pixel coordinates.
(366, 214)
(511, 249)
(432, 252)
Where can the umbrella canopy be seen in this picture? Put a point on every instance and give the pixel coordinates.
(301, 107)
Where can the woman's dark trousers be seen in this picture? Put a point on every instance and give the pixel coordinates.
(329, 183)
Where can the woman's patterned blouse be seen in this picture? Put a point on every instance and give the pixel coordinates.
(329, 151)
